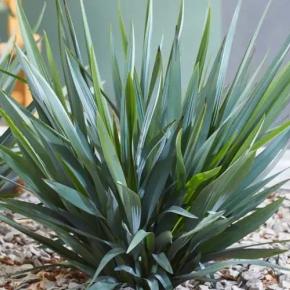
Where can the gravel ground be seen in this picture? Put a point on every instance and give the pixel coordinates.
(19, 253)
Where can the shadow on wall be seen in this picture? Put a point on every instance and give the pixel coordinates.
(102, 14)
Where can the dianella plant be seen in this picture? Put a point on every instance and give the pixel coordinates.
(153, 185)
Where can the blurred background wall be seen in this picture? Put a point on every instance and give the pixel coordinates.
(102, 14)
(275, 30)
(273, 34)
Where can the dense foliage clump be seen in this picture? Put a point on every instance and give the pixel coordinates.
(154, 185)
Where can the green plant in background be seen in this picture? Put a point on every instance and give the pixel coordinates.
(153, 186)
(8, 179)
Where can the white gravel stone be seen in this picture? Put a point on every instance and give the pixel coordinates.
(202, 287)
(234, 273)
(236, 288)
(255, 285)
(181, 288)
(251, 275)
(284, 281)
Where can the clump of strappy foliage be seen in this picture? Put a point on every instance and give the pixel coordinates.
(152, 186)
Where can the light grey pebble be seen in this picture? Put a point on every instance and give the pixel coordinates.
(74, 286)
(274, 287)
(234, 273)
(181, 288)
(203, 287)
(9, 236)
(251, 275)
(255, 285)
(284, 281)
(234, 287)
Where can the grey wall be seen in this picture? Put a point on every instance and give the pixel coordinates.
(103, 13)
(275, 29)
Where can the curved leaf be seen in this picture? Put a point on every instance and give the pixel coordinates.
(137, 239)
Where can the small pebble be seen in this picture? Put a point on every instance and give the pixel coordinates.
(255, 285)
(202, 287)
